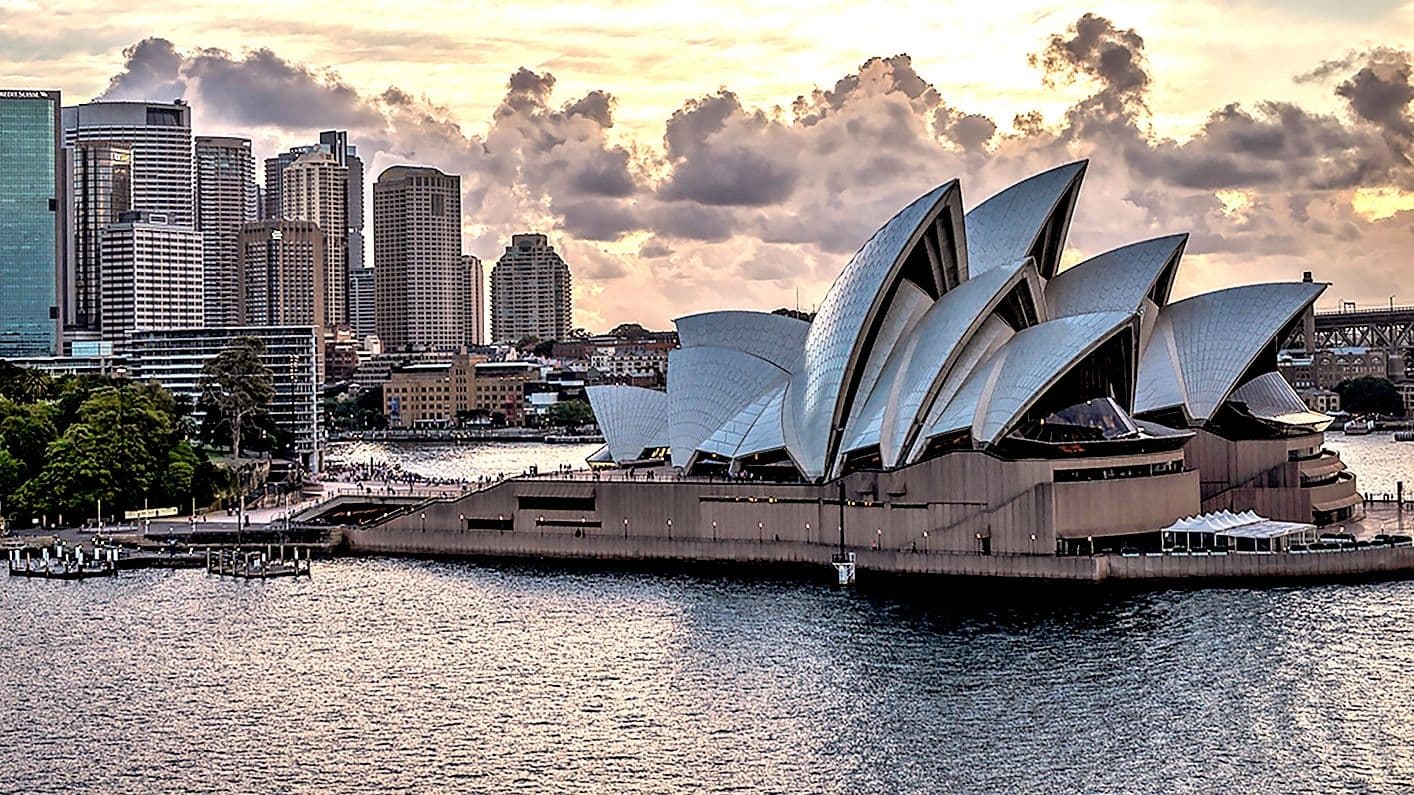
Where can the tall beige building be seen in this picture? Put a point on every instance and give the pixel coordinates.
(282, 273)
(225, 199)
(474, 301)
(417, 258)
(530, 292)
(315, 188)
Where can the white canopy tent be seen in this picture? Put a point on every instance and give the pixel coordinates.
(1246, 531)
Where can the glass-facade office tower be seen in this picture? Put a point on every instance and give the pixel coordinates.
(103, 189)
(32, 225)
(160, 137)
(225, 200)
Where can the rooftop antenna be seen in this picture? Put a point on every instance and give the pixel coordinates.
(797, 299)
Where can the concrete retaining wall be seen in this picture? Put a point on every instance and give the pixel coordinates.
(521, 544)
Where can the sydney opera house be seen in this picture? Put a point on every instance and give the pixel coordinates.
(960, 404)
(959, 382)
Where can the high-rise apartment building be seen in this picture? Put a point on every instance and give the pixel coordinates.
(336, 143)
(363, 312)
(225, 200)
(270, 200)
(281, 281)
(474, 299)
(102, 190)
(33, 224)
(152, 275)
(417, 228)
(314, 188)
(530, 292)
(159, 135)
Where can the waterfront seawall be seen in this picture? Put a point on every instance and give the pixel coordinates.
(1370, 562)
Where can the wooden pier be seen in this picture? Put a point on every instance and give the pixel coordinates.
(256, 565)
(67, 563)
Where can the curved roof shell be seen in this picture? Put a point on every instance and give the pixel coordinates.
(778, 339)
(1028, 219)
(927, 237)
(1269, 397)
(767, 431)
(1202, 345)
(996, 394)
(708, 386)
(1118, 280)
(913, 376)
(631, 419)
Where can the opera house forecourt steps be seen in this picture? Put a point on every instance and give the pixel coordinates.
(959, 405)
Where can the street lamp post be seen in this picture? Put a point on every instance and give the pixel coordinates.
(925, 542)
(424, 521)
(670, 529)
(625, 527)
(760, 532)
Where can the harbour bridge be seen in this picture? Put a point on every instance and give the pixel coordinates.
(1389, 329)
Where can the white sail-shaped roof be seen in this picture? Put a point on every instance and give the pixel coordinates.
(631, 418)
(896, 409)
(1118, 280)
(996, 394)
(707, 387)
(767, 432)
(778, 339)
(1028, 219)
(1269, 397)
(927, 237)
(1201, 346)
(727, 439)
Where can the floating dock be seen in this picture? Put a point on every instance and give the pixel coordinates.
(256, 565)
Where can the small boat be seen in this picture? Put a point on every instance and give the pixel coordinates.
(1358, 427)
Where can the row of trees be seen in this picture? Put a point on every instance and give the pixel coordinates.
(71, 444)
(1370, 395)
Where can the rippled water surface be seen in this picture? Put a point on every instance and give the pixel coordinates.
(409, 675)
(415, 675)
(1377, 460)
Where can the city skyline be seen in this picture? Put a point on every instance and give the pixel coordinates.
(686, 185)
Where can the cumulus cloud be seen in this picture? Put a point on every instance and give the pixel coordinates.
(781, 196)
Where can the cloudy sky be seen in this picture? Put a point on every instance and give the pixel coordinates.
(711, 155)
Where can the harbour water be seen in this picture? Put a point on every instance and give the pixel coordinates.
(383, 674)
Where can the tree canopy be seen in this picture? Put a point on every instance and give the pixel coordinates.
(569, 414)
(1370, 395)
(98, 439)
(238, 383)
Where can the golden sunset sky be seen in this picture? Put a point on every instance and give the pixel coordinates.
(690, 156)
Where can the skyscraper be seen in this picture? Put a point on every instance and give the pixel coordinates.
(336, 143)
(363, 312)
(152, 275)
(159, 135)
(417, 226)
(103, 189)
(530, 292)
(33, 192)
(271, 205)
(282, 273)
(225, 199)
(314, 188)
(474, 299)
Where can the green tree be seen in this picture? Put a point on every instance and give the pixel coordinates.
(1370, 395)
(28, 432)
(569, 414)
(180, 474)
(238, 383)
(115, 452)
(24, 385)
